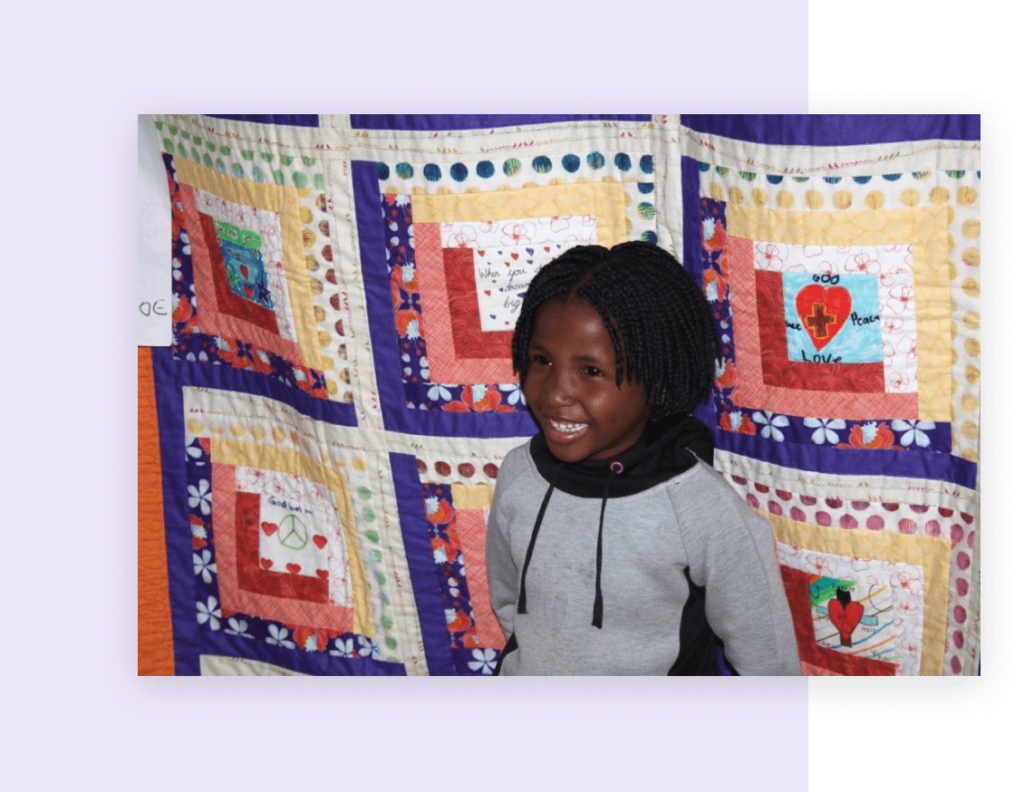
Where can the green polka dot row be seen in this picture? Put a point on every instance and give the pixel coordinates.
(774, 178)
(485, 169)
(258, 173)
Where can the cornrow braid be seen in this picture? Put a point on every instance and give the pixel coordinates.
(659, 322)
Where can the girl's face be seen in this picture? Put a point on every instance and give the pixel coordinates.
(570, 385)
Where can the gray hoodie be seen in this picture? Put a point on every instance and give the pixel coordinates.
(675, 559)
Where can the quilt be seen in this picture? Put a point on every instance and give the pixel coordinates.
(318, 446)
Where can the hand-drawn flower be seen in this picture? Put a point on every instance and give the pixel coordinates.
(864, 262)
(907, 345)
(484, 660)
(774, 255)
(771, 422)
(900, 299)
(517, 233)
(201, 566)
(824, 429)
(209, 612)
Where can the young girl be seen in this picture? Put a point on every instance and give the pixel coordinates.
(613, 547)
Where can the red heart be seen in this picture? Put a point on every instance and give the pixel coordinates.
(487, 292)
(293, 568)
(515, 256)
(268, 528)
(508, 264)
(266, 563)
(319, 541)
(845, 619)
(481, 252)
(823, 312)
(323, 574)
(547, 250)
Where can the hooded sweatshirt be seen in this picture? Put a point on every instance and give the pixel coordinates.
(633, 565)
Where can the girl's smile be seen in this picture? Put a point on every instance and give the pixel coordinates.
(570, 385)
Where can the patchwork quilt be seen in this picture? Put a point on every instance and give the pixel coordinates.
(318, 447)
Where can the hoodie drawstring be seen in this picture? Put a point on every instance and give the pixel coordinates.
(613, 469)
(598, 618)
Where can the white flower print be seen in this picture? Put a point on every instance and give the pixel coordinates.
(824, 429)
(771, 423)
(483, 660)
(200, 496)
(774, 255)
(343, 647)
(196, 453)
(914, 432)
(279, 637)
(210, 612)
(900, 299)
(515, 394)
(201, 566)
(517, 233)
(439, 392)
(237, 627)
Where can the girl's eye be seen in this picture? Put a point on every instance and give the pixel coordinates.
(590, 371)
(540, 360)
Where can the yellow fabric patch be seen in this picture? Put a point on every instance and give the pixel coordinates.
(472, 496)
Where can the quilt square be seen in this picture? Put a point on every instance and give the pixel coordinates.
(242, 295)
(285, 567)
(850, 309)
(789, 338)
(891, 592)
(441, 341)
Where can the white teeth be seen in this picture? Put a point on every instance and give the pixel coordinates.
(567, 427)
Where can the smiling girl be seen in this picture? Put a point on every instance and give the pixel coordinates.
(637, 557)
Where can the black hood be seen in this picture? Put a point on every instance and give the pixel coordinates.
(666, 449)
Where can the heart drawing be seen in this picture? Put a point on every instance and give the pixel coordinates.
(823, 311)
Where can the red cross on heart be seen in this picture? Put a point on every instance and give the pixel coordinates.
(823, 311)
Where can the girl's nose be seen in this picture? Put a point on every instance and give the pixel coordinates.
(562, 390)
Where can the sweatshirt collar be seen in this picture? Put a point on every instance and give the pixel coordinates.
(665, 449)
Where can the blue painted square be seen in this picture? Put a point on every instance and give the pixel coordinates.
(859, 340)
(246, 274)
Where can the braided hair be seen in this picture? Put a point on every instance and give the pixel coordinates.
(659, 322)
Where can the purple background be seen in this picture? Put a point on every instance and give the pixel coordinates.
(74, 644)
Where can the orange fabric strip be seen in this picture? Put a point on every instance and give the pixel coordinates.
(156, 639)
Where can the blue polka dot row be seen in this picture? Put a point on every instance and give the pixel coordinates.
(486, 169)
